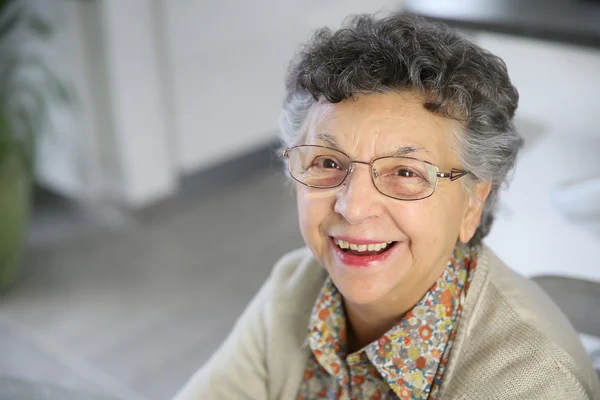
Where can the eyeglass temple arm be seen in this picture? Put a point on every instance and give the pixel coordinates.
(454, 174)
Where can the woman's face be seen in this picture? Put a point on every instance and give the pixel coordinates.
(424, 232)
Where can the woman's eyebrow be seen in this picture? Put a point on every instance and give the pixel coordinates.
(404, 150)
(329, 139)
(400, 151)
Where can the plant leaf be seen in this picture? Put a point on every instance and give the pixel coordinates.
(11, 14)
(42, 27)
(28, 83)
(7, 141)
(48, 80)
(56, 85)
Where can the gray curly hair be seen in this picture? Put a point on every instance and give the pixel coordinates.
(402, 52)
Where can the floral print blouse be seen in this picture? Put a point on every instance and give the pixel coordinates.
(407, 362)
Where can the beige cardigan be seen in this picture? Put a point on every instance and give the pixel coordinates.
(512, 341)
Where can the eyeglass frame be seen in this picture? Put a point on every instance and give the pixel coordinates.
(454, 174)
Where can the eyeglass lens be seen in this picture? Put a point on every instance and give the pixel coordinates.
(398, 177)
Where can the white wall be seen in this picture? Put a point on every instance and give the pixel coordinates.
(92, 148)
(167, 88)
(135, 84)
(559, 117)
(116, 143)
(227, 61)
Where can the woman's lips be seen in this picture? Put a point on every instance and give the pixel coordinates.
(354, 260)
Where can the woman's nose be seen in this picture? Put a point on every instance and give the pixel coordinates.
(358, 199)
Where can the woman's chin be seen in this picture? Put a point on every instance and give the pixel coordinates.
(355, 294)
(365, 285)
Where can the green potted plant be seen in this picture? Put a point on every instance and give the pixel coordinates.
(28, 86)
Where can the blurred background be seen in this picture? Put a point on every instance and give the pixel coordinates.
(142, 203)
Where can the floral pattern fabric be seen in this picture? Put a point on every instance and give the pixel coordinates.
(407, 362)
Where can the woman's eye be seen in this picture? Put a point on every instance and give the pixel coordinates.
(406, 173)
(326, 163)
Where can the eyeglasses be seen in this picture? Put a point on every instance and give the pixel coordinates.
(401, 178)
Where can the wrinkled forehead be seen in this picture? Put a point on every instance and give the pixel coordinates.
(378, 124)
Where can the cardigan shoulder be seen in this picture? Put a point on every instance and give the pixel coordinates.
(296, 278)
(514, 342)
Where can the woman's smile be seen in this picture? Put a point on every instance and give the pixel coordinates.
(362, 252)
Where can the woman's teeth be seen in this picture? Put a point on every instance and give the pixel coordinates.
(362, 247)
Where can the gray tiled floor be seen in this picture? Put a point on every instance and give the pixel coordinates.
(134, 312)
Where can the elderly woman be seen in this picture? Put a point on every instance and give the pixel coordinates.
(398, 134)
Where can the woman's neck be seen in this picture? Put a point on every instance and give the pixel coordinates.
(368, 322)
(362, 329)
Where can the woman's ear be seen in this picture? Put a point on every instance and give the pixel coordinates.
(472, 214)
